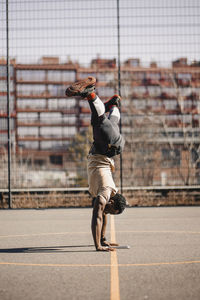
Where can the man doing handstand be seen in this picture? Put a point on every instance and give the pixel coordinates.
(107, 143)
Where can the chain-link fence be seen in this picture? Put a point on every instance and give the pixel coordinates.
(147, 51)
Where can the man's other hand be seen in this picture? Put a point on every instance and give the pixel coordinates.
(108, 244)
(107, 249)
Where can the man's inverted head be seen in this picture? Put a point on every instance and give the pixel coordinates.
(116, 205)
(119, 202)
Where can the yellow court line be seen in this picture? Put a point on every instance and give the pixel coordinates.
(101, 265)
(114, 279)
(161, 263)
(53, 265)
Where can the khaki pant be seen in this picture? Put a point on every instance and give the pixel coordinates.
(100, 179)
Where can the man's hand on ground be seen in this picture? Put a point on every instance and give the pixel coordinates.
(108, 244)
(105, 249)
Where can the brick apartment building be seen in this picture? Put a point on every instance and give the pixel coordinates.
(160, 114)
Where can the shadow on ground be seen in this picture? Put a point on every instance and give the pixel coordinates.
(57, 249)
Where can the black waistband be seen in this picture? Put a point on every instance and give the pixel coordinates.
(111, 151)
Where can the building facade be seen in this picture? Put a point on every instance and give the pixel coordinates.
(160, 115)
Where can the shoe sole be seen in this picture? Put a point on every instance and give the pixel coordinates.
(78, 87)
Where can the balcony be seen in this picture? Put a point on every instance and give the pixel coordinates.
(45, 110)
(40, 138)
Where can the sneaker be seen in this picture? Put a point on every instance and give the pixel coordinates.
(81, 88)
(113, 101)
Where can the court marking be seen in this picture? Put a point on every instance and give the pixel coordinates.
(160, 231)
(54, 265)
(87, 232)
(114, 274)
(101, 265)
(45, 233)
(160, 263)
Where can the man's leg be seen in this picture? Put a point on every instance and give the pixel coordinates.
(97, 109)
(114, 117)
(105, 129)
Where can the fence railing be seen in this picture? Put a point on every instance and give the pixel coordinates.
(147, 51)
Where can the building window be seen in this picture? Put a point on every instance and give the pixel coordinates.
(51, 117)
(170, 104)
(30, 89)
(56, 159)
(29, 144)
(3, 103)
(27, 131)
(54, 75)
(39, 162)
(31, 103)
(106, 91)
(3, 71)
(140, 104)
(106, 76)
(31, 75)
(27, 117)
(68, 75)
(171, 158)
(184, 76)
(86, 74)
(155, 76)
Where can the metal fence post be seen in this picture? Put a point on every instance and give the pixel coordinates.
(8, 106)
(119, 89)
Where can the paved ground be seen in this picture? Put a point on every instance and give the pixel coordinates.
(49, 254)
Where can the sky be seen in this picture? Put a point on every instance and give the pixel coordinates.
(81, 30)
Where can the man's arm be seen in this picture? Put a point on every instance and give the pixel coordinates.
(103, 232)
(97, 223)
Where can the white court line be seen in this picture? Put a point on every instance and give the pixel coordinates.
(38, 234)
(82, 232)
